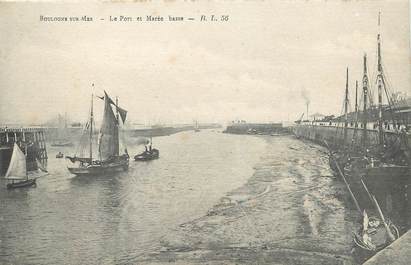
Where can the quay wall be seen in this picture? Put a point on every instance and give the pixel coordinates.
(398, 253)
(256, 128)
(335, 136)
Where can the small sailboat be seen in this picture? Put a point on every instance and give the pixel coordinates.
(62, 137)
(16, 174)
(196, 127)
(108, 159)
(149, 154)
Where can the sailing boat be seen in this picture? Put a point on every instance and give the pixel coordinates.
(62, 138)
(17, 172)
(196, 127)
(109, 159)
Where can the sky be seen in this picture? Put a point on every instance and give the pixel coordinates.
(260, 66)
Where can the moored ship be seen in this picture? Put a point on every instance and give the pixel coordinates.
(372, 144)
(381, 130)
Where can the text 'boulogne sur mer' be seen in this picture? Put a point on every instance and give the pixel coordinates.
(147, 18)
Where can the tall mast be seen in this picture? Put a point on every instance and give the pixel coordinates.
(117, 111)
(354, 138)
(346, 109)
(356, 103)
(91, 128)
(379, 85)
(118, 127)
(365, 94)
(25, 157)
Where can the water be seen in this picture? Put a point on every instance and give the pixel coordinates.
(106, 220)
(285, 199)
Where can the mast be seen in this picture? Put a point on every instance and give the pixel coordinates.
(356, 103)
(117, 110)
(346, 110)
(118, 127)
(25, 157)
(365, 94)
(91, 129)
(354, 138)
(379, 85)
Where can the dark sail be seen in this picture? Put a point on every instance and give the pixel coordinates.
(122, 112)
(108, 140)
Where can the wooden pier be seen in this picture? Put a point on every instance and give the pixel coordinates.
(32, 141)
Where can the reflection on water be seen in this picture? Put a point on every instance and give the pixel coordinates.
(95, 220)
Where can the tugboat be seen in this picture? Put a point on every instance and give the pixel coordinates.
(109, 159)
(16, 174)
(59, 155)
(149, 154)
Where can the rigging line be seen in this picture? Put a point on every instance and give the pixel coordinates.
(338, 120)
(375, 69)
(79, 149)
(370, 86)
(343, 177)
(388, 92)
(391, 102)
(387, 78)
(390, 107)
(122, 135)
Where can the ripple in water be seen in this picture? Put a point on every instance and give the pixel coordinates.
(105, 220)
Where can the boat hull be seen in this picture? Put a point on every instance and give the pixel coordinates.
(100, 169)
(21, 184)
(363, 251)
(147, 156)
(387, 171)
(386, 182)
(62, 144)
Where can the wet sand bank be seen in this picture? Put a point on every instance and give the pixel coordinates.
(291, 211)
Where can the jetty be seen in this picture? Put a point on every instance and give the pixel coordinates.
(35, 139)
(157, 130)
(257, 128)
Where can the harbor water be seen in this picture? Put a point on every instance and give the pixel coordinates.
(84, 220)
(291, 200)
